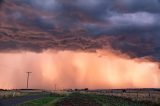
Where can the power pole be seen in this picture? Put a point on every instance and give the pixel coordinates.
(28, 74)
(55, 86)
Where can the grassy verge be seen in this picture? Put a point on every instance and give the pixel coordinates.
(46, 101)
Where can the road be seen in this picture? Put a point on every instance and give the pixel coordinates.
(18, 100)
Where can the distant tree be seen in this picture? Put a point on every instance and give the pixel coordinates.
(86, 89)
(76, 89)
(124, 91)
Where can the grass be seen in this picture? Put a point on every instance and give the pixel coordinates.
(46, 101)
(11, 94)
(114, 101)
(101, 100)
(90, 98)
(153, 96)
(106, 100)
(39, 102)
(77, 99)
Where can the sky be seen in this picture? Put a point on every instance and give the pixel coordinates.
(124, 31)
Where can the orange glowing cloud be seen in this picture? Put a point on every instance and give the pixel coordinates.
(76, 69)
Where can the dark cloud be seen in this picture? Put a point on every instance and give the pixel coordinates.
(43, 24)
(131, 26)
(141, 5)
(1, 1)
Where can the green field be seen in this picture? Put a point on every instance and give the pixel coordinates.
(85, 99)
(104, 100)
(46, 101)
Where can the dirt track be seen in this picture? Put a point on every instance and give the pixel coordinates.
(18, 100)
(77, 100)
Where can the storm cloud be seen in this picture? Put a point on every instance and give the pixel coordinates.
(129, 26)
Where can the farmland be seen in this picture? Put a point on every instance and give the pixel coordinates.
(49, 100)
(5, 94)
(151, 95)
(90, 98)
(15, 97)
(93, 99)
(11, 94)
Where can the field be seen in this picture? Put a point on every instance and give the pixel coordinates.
(88, 98)
(151, 95)
(5, 94)
(10, 94)
(47, 101)
(140, 96)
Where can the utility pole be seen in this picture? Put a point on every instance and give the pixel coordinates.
(28, 74)
(55, 86)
